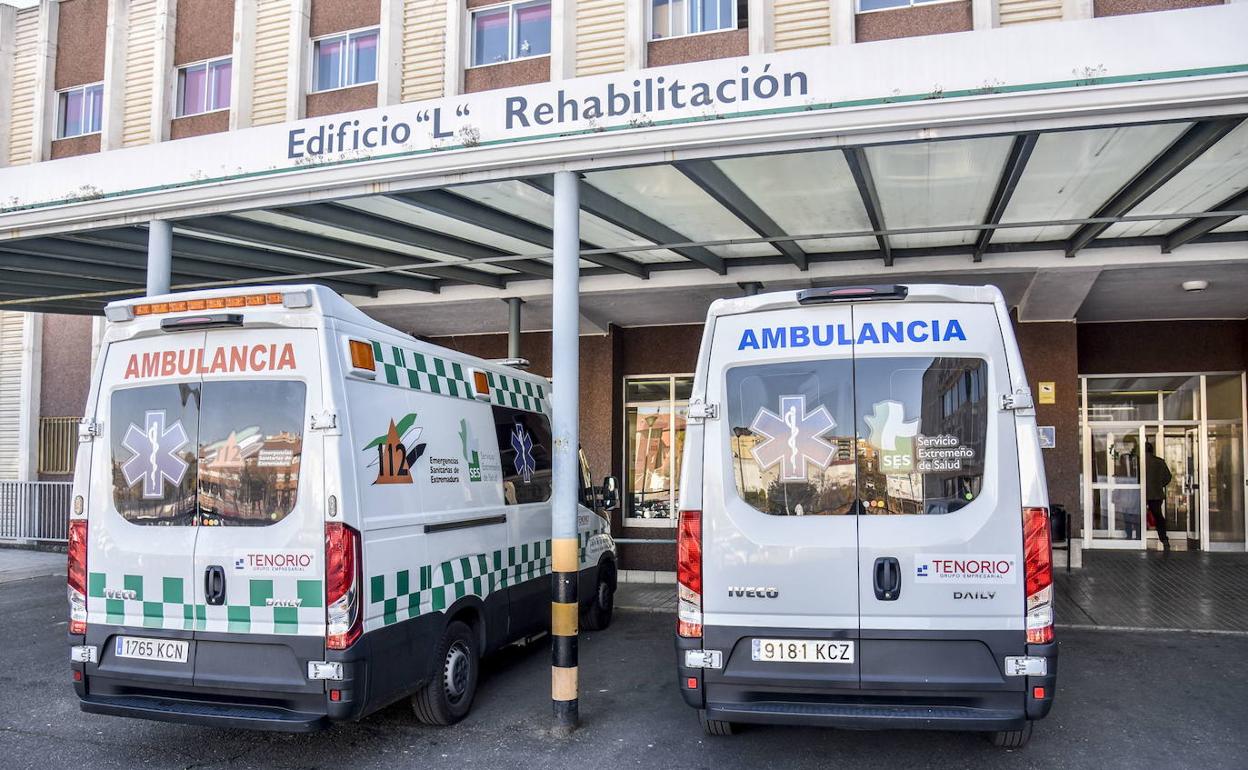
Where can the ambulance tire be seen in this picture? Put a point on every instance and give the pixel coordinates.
(1012, 739)
(448, 695)
(598, 616)
(715, 727)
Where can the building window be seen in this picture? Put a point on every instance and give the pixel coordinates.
(343, 60)
(654, 417)
(58, 444)
(673, 18)
(79, 111)
(513, 31)
(204, 87)
(885, 5)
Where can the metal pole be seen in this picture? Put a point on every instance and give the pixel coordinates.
(565, 375)
(513, 326)
(159, 256)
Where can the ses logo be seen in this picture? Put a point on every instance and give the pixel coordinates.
(274, 562)
(961, 568)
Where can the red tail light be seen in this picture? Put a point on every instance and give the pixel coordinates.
(1038, 568)
(343, 583)
(689, 574)
(76, 570)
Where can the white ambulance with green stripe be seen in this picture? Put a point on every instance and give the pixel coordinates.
(286, 513)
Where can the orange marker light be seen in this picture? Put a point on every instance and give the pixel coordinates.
(481, 383)
(362, 355)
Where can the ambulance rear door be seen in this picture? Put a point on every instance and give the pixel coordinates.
(940, 525)
(259, 558)
(141, 521)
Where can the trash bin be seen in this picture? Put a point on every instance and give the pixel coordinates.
(1059, 523)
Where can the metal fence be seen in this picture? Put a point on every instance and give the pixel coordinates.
(35, 510)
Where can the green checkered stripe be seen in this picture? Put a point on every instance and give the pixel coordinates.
(410, 593)
(517, 393)
(421, 371)
(165, 602)
(431, 374)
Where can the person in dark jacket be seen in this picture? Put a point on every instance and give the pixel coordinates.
(1157, 477)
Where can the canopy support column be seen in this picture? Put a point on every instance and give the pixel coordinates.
(565, 375)
(513, 326)
(159, 256)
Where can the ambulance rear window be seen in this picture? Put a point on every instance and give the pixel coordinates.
(153, 434)
(896, 435)
(250, 446)
(221, 453)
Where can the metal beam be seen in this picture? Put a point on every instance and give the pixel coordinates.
(366, 223)
(715, 183)
(1187, 148)
(363, 256)
(184, 270)
(55, 284)
(472, 212)
(231, 253)
(1015, 164)
(857, 160)
(41, 261)
(605, 207)
(1194, 228)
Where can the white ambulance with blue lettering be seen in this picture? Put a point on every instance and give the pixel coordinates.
(864, 533)
(286, 513)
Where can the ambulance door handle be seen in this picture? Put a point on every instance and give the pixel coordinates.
(887, 579)
(214, 585)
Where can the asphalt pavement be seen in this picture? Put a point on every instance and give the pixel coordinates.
(1148, 700)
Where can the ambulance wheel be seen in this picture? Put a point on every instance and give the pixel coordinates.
(447, 697)
(716, 727)
(598, 616)
(1012, 739)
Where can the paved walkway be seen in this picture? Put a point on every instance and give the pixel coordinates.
(21, 564)
(1153, 590)
(1124, 590)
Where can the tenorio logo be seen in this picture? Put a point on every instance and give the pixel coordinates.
(966, 569)
(274, 561)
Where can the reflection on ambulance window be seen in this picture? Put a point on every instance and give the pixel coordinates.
(791, 432)
(922, 424)
(250, 446)
(524, 445)
(153, 434)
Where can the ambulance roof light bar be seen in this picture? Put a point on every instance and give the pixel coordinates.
(851, 294)
(291, 300)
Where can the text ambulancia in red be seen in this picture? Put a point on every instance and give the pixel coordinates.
(271, 357)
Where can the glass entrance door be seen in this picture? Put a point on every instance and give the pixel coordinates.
(1196, 424)
(1117, 503)
(1182, 503)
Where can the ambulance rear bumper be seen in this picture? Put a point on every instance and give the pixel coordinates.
(206, 713)
(868, 717)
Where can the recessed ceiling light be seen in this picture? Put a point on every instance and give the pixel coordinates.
(1195, 285)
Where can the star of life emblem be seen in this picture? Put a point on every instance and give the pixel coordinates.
(793, 438)
(155, 458)
(522, 443)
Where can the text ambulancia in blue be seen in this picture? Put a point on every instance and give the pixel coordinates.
(826, 335)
